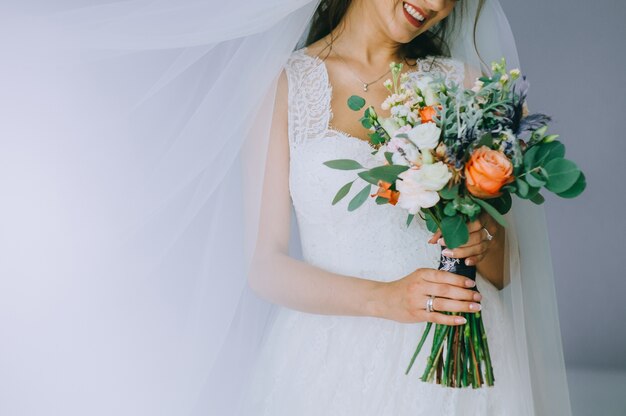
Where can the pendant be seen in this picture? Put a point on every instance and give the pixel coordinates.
(365, 87)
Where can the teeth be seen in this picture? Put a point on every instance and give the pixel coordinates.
(411, 10)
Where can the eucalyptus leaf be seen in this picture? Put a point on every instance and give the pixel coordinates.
(387, 173)
(381, 201)
(522, 187)
(367, 177)
(342, 192)
(356, 103)
(502, 203)
(454, 231)
(431, 224)
(576, 189)
(343, 164)
(449, 192)
(409, 219)
(562, 174)
(359, 198)
(449, 209)
(388, 157)
(533, 180)
(532, 191)
(529, 157)
(538, 199)
(491, 210)
(547, 152)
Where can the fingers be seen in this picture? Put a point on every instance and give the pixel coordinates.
(462, 252)
(451, 305)
(443, 290)
(441, 318)
(436, 236)
(475, 229)
(440, 276)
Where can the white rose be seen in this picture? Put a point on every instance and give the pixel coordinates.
(418, 187)
(425, 136)
(433, 177)
(413, 196)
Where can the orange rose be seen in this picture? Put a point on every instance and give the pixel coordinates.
(427, 114)
(385, 192)
(487, 172)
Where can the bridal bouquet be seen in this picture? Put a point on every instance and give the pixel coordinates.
(448, 153)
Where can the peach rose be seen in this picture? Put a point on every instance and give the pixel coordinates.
(487, 172)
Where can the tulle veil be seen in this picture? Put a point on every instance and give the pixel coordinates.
(131, 163)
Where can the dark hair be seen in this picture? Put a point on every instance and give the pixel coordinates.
(329, 14)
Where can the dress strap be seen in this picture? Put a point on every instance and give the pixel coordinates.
(308, 97)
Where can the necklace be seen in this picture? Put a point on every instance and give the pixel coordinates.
(365, 84)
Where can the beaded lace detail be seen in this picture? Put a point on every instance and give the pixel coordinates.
(343, 365)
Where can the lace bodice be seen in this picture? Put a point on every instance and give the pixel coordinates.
(348, 242)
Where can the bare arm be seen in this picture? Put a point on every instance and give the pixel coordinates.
(301, 286)
(277, 276)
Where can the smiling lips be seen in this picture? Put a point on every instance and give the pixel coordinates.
(414, 14)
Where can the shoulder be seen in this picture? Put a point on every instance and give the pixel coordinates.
(304, 70)
(301, 62)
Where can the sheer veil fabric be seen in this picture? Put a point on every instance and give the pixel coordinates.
(133, 151)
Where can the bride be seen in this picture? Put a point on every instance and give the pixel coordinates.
(170, 144)
(356, 305)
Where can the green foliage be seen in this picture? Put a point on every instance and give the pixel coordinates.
(491, 210)
(431, 222)
(381, 201)
(343, 164)
(359, 198)
(465, 205)
(538, 199)
(342, 192)
(356, 103)
(454, 231)
(387, 173)
(449, 209)
(562, 175)
(449, 192)
(409, 219)
(576, 189)
(368, 177)
(502, 203)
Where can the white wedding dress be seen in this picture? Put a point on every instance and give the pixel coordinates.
(321, 365)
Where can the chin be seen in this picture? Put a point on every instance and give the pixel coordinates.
(410, 20)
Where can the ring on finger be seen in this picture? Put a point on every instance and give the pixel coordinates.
(429, 304)
(489, 236)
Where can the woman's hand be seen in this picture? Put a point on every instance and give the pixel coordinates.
(404, 300)
(479, 243)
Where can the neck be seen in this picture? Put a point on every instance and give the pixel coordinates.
(360, 37)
